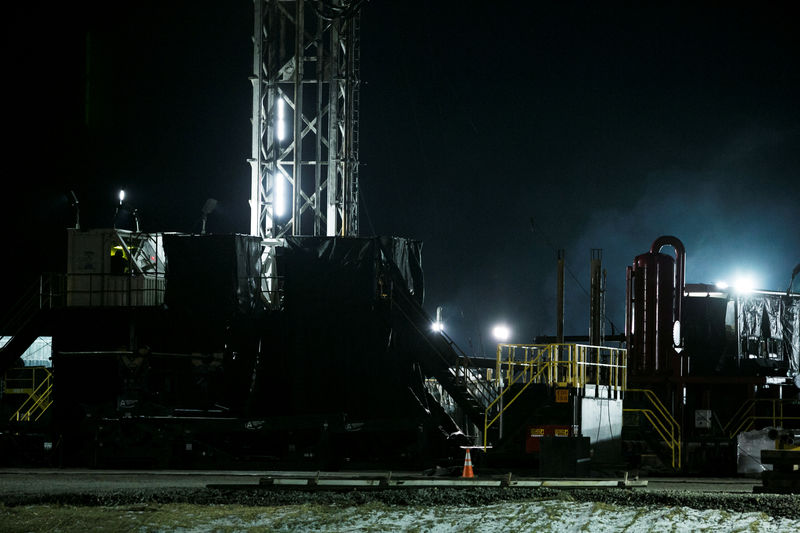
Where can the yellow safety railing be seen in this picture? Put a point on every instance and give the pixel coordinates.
(24, 380)
(37, 402)
(562, 365)
(663, 422)
(746, 416)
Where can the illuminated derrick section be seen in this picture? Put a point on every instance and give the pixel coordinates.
(304, 159)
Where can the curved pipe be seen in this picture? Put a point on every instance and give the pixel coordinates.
(680, 266)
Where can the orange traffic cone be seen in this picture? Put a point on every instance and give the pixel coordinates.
(467, 466)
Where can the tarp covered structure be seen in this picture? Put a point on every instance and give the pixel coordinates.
(333, 351)
(770, 323)
(309, 262)
(217, 275)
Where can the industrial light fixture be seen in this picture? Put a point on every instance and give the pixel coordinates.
(280, 194)
(125, 206)
(722, 285)
(438, 324)
(280, 125)
(208, 207)
(76, 205)
(501, 332)
(121, 197)
(744, 284)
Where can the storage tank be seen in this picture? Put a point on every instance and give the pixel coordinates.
(655, 284)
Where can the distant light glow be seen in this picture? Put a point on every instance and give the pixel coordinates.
(501, 332)
(280, 194)
(121, 196)
(437, 326)
(722, 285)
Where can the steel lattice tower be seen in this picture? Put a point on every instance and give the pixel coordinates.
(304, 178)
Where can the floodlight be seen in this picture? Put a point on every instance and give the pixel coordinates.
(501, 332)
(280, 195)
(437, 326)
(744, 284)
(121, 196)
(280, 125)
(208, 207)
(722, 285)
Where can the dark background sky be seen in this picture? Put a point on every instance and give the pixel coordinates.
(607, 124)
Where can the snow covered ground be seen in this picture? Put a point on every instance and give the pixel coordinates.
(550, 515)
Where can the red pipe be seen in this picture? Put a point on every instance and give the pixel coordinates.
(680, 268)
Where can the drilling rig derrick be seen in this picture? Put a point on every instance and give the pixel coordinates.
(304, 160)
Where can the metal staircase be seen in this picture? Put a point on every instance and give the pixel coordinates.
(660, 420)
(26, 321)
(443, 360)
(37, 383)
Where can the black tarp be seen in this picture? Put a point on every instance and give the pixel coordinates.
(765, 317)
(406, 256)
(355, 263)
(213, 275)
(703, 329)
(333, 349)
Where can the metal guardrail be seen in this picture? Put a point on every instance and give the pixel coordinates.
(663, 422)
(25, 380)
(109, 290)
(566, 364)
(746, 416)
(561, 365)
(38, 400)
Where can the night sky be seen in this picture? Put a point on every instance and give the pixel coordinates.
(605, 124)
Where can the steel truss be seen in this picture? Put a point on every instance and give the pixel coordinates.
(304, 161)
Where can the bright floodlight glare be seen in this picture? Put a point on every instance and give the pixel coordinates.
(437, 326)
(121, 196)
(721, 285)
(501, 332)
(280, 195)
(744, 284)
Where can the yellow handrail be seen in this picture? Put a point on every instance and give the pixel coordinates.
(564, 365)
(39, 399)
(746, 421)
(42, 403)
(24, 380)
(520, 375)
(664, 423)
